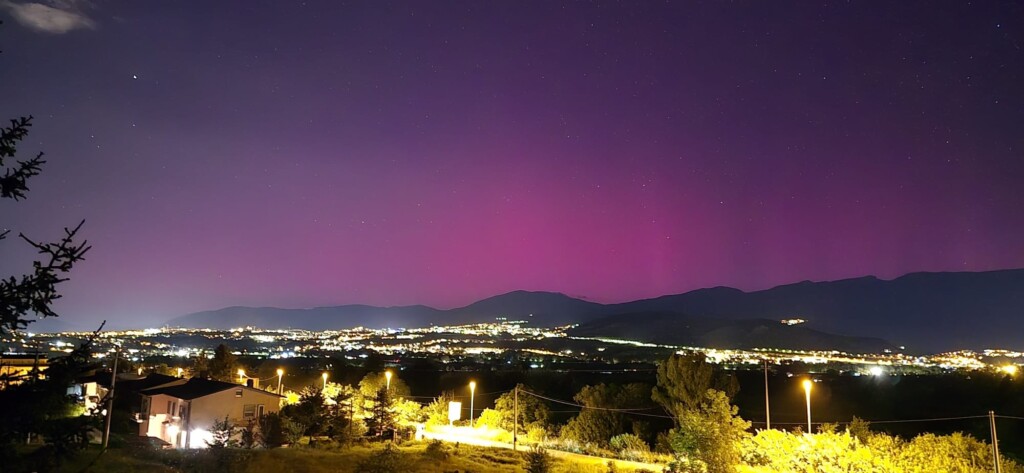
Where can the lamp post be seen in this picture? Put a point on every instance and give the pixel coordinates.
(325, 379)
(807, 392)
(472, 394)
(387, 377)
(241, 376)
(280, 377)
(767, 408)
(179, 371)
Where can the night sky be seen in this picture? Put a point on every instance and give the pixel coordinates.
(271, 153)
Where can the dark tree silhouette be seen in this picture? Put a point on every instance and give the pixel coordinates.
(33, 293)
(39, 405)
(224, 364)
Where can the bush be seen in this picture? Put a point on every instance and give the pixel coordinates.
(538, 460)
(710, 435)
(387, 460)
(773, 451)
(437, 450)
(631, 447)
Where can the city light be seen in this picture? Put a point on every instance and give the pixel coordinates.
(876, 371)
(200, 438)
(1009, 369)
(325, 379)
(280, 378)
(387, 377)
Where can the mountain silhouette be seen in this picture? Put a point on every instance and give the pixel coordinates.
(925, 312)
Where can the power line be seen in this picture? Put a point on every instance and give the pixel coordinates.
(887, 421)
(624, 411)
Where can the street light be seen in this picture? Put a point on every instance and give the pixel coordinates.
(241, 376)
(387, 376)
(325, 379)
(280, 375)
(179, 372)
(807, 391)
(472, 394)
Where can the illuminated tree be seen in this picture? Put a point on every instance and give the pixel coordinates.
(532, 411)
(436, 412)
(374, 382)
(309, 413)
(711, 433)
(599, 422)
(381, 419)
(683, 381)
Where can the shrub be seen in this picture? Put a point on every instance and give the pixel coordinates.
(538, 460)
(437, 450)
(631, 447)
(386, 460)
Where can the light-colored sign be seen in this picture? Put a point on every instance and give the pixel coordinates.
(454, 411)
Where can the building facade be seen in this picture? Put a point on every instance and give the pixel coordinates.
(183, 412)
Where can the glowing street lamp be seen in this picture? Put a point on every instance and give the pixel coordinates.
(387, 376)
(241, 376)
(807, 391)
(325, 379)
(180, 371)
(280, 377)
(472, 394)
(1009, 369)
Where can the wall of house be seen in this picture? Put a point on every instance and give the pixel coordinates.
(158, 422)
(209, 409)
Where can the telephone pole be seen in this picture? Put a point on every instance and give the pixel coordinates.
(767, 409)
(110, 399)
(995, 441)
(515, 418)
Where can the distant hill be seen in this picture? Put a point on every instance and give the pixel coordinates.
(926, 312)
(539, 308)
(670, 328)
(319, 318)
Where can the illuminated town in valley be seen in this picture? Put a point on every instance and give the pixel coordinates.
(486, 341)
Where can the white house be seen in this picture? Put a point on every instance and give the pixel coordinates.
(183, 412)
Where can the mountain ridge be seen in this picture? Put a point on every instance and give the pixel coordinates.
(925, 311)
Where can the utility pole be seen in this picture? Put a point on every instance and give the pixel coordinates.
(767, 409)
(995, 441)
(515, 418)
(110, 399)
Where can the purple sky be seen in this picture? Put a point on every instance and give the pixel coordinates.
(264, 153)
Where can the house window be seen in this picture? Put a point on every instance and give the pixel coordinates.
(170, 407)
(145, 405)
(238, 393)
(259, 410)
(181, 410)
(248, 411)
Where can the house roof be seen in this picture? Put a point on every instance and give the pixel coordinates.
(151, 380)
(196, 388)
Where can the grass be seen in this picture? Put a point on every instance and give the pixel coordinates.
(414, 457)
